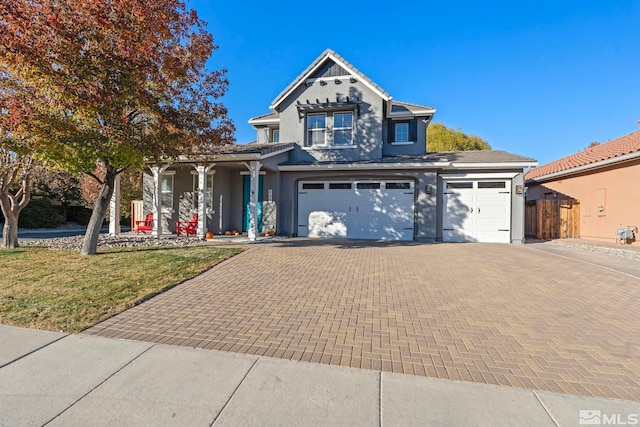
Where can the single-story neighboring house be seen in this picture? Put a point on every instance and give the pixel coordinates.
(603, 178)
(337, 156)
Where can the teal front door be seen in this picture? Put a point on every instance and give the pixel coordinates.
(246, 201)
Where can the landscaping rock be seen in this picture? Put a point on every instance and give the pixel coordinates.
(108, 241)
(619, 252)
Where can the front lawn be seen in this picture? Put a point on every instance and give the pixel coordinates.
(63, 291)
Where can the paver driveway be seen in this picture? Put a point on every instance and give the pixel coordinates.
(490, 313)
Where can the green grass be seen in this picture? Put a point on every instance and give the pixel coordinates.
(63, 291)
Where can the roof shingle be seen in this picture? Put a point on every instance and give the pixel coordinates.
(618, 147)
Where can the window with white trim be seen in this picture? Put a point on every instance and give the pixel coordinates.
(196, 193)
(402, 132)
(275, 135)
(166, 193)
(343, 128)
(333, 129)
(316, 129)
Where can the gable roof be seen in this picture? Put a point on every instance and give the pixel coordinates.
(265, 119)
(621, 149)
(238, 152)
(405, 109)
(319, 62)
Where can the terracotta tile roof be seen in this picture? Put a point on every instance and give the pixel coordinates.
(609, 150)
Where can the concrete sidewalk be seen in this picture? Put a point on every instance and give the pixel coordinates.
(49, 378)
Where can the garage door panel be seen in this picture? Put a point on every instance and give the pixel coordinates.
(457, 217)
(327, 224)
(456, 235)
(493, 236)
(359, 210)
(476, 211)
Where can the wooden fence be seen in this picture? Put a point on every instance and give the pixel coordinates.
(552, 219)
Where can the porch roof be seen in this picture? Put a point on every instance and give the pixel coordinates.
(236, 152)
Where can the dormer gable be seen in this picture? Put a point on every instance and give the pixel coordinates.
(328, 66)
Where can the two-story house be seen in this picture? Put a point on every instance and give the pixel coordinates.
(337, 156)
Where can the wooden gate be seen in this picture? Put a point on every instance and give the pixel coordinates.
(552, 219)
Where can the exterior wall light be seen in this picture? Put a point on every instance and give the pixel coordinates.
(519, 189)
(428, 189)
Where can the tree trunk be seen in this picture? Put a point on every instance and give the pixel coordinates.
(90, 244)
(10, 231)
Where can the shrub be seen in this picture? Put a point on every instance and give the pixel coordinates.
(83, 216)
(39, 214)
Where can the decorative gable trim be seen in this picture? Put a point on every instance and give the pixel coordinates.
(307, 74)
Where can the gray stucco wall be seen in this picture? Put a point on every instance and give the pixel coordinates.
(517, 210)
(418, 147)
(368, 125)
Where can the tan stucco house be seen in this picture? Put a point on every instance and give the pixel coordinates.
(604, 179)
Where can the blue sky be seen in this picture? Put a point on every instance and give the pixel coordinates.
(541, 79)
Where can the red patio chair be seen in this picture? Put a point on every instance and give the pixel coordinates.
(189, 228)
(146, 225)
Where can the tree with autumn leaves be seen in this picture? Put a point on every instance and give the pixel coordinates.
(110, 82)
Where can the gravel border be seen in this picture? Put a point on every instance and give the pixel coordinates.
(108, 241)
(618, 252)
(131, 241)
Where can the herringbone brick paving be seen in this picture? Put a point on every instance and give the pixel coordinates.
(497, 314)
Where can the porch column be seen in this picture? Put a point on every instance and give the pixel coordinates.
(114, 208)
(254, 169)
(202, 202)
(157, 215)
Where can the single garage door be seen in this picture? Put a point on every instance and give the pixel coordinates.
(356, 209)
(477, 211)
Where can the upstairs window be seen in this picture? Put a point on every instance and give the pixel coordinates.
(343, 128)
(316, 129)
(275, 135)
(330, 130)
(402, 132)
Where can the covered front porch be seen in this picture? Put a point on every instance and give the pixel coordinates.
(232, 192)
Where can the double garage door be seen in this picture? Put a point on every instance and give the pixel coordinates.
(477, 211)
(375, 209)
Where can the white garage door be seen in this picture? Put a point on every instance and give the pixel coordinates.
(477, 211)
(356, 209)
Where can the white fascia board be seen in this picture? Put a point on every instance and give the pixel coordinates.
(373, 166)
(220, 157)
(493, 175)
(314, 69)
(510, 165)
(361, 78)
(264, 121)
(275, 153)
(413, 114)
(590, 166)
